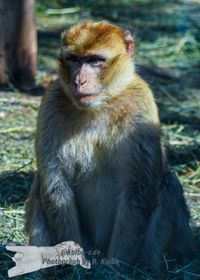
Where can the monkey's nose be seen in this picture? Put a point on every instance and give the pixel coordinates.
(80, 82)
(83, 82)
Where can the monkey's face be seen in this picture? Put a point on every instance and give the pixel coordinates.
(83, 79)
(95, 62)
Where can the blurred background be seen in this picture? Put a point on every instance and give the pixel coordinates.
(167, 35)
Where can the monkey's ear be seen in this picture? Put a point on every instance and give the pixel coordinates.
(130, 44)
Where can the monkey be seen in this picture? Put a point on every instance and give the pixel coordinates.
(102, 176)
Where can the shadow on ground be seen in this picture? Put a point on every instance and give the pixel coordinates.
(14, 187)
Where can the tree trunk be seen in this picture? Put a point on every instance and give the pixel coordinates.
(18, 43)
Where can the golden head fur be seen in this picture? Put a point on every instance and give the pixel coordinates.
(107, 40)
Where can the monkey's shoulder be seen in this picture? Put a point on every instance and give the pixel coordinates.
(53, 92)
(54, 103)
(136, 101)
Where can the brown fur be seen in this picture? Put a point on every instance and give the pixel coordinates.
(90, 37)
(102, 177)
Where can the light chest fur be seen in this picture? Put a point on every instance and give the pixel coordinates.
(92, 144)
(94, 152)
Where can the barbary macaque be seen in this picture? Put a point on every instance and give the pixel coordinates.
(102, 178)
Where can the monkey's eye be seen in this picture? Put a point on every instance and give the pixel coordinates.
(96, 60)
(72, 58)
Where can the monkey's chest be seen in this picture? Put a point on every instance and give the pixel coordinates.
(97, 197)
(98, 174)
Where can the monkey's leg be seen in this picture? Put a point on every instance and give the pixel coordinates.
(168, 230)
(182, 245)
(128, 231)
(35, 222)
(140, 236)
(156, 239)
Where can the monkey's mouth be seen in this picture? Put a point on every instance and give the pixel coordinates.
(87, 98)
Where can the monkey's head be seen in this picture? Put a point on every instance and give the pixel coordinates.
(95, 62)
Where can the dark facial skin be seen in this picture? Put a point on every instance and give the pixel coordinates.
(85, 73)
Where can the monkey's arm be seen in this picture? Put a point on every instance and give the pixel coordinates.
(51, 215)
(58, 197)
(139, 195)
(152, 213)
(56, 194)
